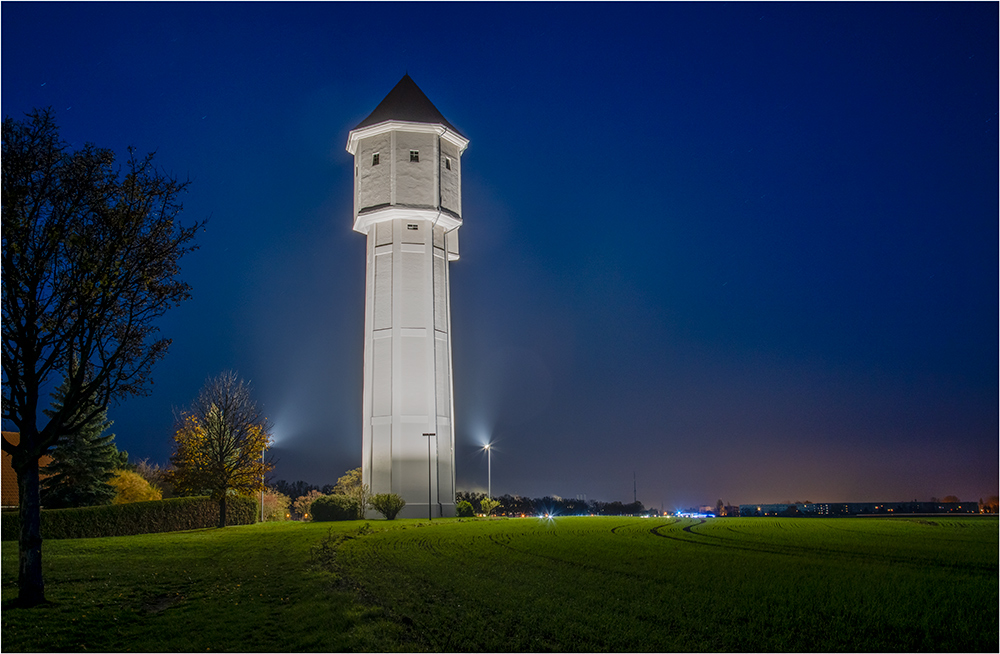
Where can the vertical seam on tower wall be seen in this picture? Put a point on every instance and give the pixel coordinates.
(395, 429)
(369, 354)
(451, 369)
(433, 326)
(434, 382)
(438, 180)
(392, 168)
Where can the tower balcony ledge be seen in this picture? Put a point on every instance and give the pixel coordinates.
(355, 136)
(438, 216)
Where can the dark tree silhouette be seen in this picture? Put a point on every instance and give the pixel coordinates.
(90, 261)
(82, 464)
(299, 488)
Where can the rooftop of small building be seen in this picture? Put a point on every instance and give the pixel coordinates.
(407, 102)
(9, 491)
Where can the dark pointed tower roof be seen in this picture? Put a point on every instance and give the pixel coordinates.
(406, 102)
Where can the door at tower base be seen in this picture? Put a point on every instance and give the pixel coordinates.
(407, 202)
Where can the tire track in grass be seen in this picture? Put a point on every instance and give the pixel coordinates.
(727, 543)
(815, 551)
(773, 548)
(701, 521)
(791, 549)
(656, 532)
(637, 527)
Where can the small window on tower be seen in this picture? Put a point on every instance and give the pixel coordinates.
(375, 159)
(414, 155)
(447, 163)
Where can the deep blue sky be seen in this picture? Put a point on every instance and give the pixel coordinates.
(747, 251)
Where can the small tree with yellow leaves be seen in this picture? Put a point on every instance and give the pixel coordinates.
(220, 443)
(351, 486)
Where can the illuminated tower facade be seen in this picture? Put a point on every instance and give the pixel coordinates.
(408, 202)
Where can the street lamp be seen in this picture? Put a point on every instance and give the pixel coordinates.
(429, 518)
(489, 470)
(262, 484)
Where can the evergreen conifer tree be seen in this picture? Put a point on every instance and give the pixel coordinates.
(82, 464)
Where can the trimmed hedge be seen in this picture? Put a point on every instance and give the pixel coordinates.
(176, 514)
(334, 507)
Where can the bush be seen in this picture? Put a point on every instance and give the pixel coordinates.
(334, 507)
(388, 504)
(175, 514)
(464, 510)
(488, 504)
(276, 506)
(303, 505)
(132, 487)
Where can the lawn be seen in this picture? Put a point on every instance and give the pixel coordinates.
(569, 584)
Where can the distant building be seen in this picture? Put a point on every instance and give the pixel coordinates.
(10, 493)
(830, 509)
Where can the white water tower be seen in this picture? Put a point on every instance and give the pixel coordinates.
(408, 201)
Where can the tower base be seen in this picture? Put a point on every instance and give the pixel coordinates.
(417, 511)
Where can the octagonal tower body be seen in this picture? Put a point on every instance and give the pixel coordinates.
(408, 201)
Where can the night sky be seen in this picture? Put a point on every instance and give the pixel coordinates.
(745, 251)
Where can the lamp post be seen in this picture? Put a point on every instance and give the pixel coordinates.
(489, 471)
(429, 517)
(262, 484)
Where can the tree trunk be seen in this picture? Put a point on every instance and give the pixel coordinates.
(222, 512)
(30, 585)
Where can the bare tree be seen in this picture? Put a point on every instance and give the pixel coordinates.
(153, 473)
(90, 261)
(220, 443)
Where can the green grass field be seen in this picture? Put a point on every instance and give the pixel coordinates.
(570, 584)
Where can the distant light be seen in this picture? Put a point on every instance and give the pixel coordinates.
(694, 514)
